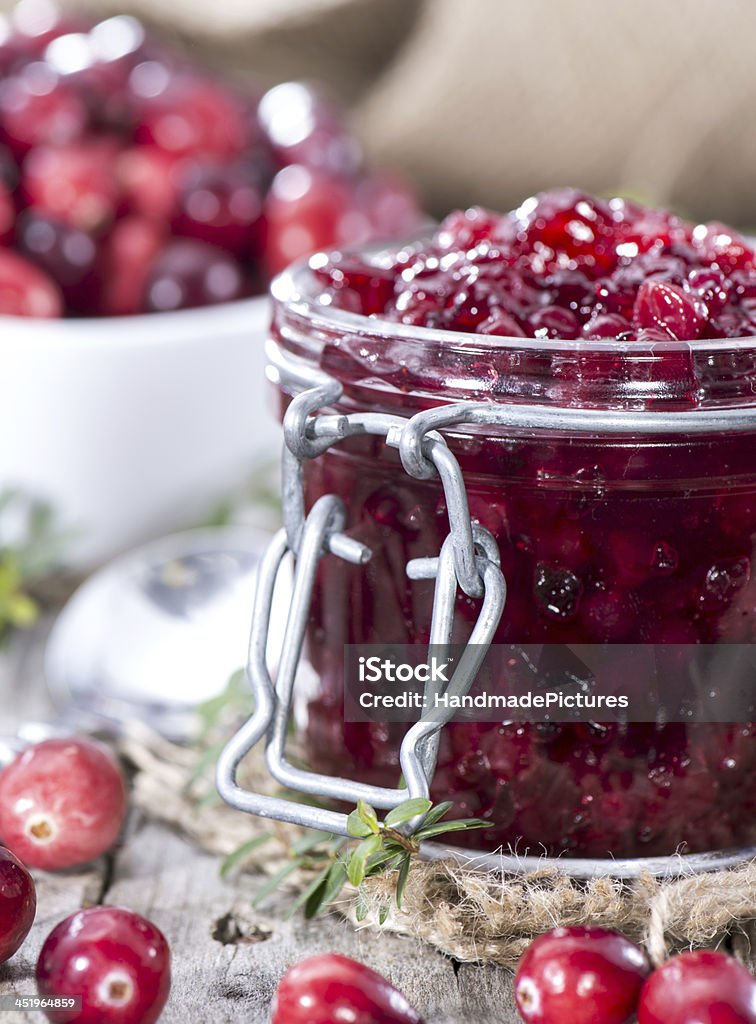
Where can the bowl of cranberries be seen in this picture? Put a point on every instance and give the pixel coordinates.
(144, 205)
(620, 343)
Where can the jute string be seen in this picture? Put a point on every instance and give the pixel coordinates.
(469, 914)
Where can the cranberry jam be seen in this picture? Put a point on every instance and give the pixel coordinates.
(637, 537)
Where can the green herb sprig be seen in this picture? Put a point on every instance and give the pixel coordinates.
(383, 847)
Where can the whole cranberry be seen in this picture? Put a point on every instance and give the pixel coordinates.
(62, 803)
(25, 290)
(305, 212)
(128, 254)
(220, 204)
(18, 904)
(74, 183)
(149, 181)
(702, 987)
(190, 273)
(37, 108)
(191, 115)
(330, 987)
(668, 308)
(304, 126)
(581, 975)
(66, 253)
(117, 961)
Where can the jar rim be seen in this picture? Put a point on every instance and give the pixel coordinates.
(298, 288)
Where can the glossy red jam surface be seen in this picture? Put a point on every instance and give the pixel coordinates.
(132, 181)
(641, 538)
(564, 265)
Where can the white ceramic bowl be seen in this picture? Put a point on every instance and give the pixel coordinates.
(134, 426)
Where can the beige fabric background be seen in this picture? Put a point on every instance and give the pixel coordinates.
(490, 100)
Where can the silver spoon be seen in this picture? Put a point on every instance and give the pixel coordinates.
(156, 632)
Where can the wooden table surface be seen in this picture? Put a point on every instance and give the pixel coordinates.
(227, 957)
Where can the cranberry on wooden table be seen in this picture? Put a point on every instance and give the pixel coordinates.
(701, 987)
(331, 988)
(62, 803)
(117, 961)
(580, 975)
(18, 903)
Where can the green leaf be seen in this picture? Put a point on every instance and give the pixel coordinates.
(356, 826)
(309, 894)
(274, 881)
(368, 816)
(401, 883)
(309, 841)
(242, 852)
(360, 909)
(383, 913)
(383, 862)
(437, 812)
(407, 810)
(461, 825)
(358, 859)
(336, 880)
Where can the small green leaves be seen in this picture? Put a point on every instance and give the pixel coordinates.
(406, 811)
(358, 860)
(241, 853)
(381, 849)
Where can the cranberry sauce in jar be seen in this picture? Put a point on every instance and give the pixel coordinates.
(641, 536)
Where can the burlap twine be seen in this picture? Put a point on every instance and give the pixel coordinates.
(472, 915)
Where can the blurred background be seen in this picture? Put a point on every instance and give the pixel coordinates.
(492, 100)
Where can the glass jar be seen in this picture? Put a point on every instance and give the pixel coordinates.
(636, 535)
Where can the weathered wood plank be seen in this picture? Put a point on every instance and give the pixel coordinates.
(228, 958)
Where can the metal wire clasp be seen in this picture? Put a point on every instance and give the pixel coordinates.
(468, 560)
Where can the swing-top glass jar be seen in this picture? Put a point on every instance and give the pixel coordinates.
(639, 534)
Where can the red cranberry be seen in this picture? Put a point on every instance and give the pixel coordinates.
(18, 904)
(194, 115)
(74, 183)
(719, 244)
(38, 22)
(129, 252)
(221, 205)
(569, 222)
(701, 987)
(670, 309)
(581, 975)
(464, 229)
(98, 64)
(117, 961)
(605, 325)
(553, 322)
(25, 290)
(149, 180)
(7, 215)
(304, 127)
(66, 253)
(373, 285)
(306, 212)
(501, 323)
(62, 803)
(329, 987)
(37, 108)
(190, 273)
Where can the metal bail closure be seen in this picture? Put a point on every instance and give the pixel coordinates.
(469, 560)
